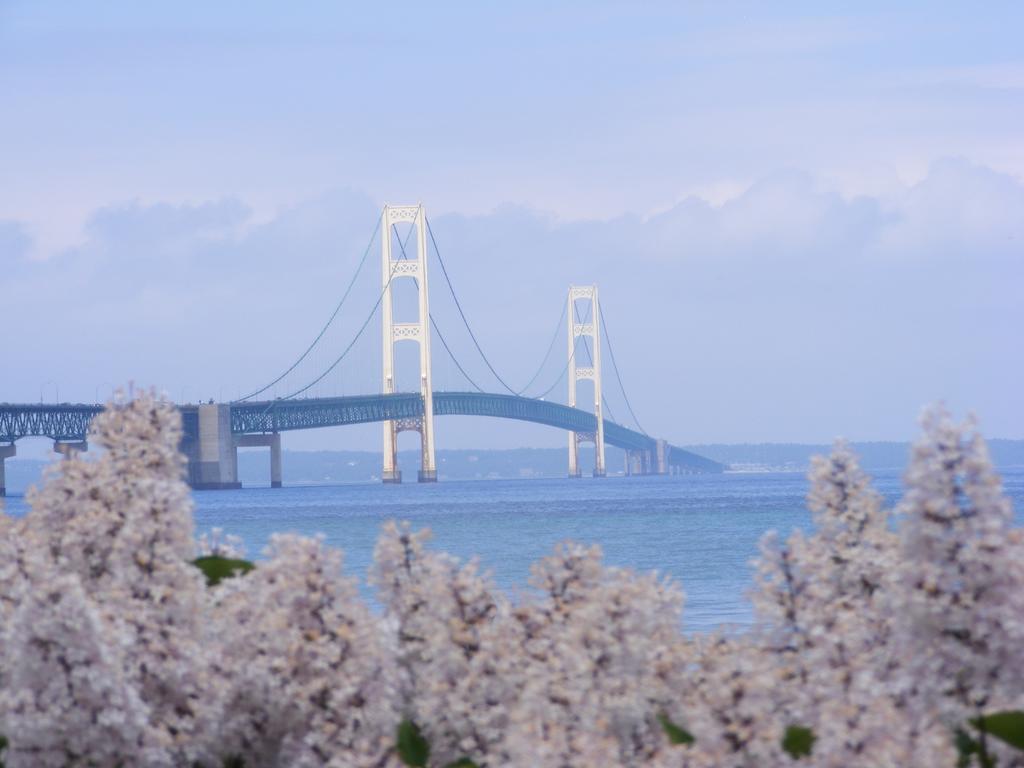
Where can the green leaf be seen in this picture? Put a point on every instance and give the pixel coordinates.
(676, 734)
(1005, 726)
(798, 741)
(462, 762)
(412, 747)
(217, 568)
(966, 748)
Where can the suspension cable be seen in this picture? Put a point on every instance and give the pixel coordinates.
(608, 408)
(615, 367)
(590, 360)
(352, 343)
(550, 389)
(551, 346)
(330, 320)
(462, 314)
(452, 356)
(565, 368)
(433, 322)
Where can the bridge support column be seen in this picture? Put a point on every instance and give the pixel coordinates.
(394, 269)
(68, 448)
(575, 438)
(6, 452)
(391, 473)
(275, 462)
(271, 441)
(217, 457)
(636, 462)
(592, 371)
(661, 457)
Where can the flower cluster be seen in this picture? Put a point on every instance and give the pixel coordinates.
(882, 638)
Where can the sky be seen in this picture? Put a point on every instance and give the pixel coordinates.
(806, 220)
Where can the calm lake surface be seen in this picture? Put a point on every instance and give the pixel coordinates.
(700, 530)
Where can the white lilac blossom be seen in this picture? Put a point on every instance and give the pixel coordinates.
(458, 673)
(730, 703)
(122, 525)
(67, 702)
(602, 656)
(308, 671)
(823, 611)
(114, 651)
(960, 604)
(218, 543)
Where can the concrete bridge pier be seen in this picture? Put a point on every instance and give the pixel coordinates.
(213, 457)
(6, 452)
(68, 448)
(641, 461)
(661, 457)
(272, 441)
(632, 462)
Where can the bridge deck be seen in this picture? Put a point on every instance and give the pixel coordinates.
(71, 421)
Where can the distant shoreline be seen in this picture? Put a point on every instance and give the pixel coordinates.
(348, 467)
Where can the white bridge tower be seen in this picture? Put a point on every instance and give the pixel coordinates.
(392, 270)
(591, 326)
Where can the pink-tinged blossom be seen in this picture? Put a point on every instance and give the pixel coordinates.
(114, 651)
(308, 671)
(603, 656)
(731, 704)
(122, 524)
(67, 703)
(960, 607)
(459, 672)
(217, 543)
(824, 603)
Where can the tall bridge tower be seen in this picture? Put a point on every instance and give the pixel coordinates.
(416, 270)
(589, 327)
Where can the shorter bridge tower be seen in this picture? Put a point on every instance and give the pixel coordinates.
(416, 270)
(590, 327)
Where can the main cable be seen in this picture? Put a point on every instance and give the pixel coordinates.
(568, 362)
(615, 367)
(458, 305)
(451, 354)
(590, 357)
(433, 322)
(352, 343)
(327, 325)
(551, 346)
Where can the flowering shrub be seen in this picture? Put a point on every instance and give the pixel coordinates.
(878, 642)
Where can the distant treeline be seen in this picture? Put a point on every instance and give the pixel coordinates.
(302, 467)
(873, 455)
(365, 466)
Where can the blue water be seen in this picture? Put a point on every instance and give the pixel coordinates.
(700, 530)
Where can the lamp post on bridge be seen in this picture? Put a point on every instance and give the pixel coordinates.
(56, 390)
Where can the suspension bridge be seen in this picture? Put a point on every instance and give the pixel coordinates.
(293, 400)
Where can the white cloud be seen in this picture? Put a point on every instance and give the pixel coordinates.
(788, 312)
